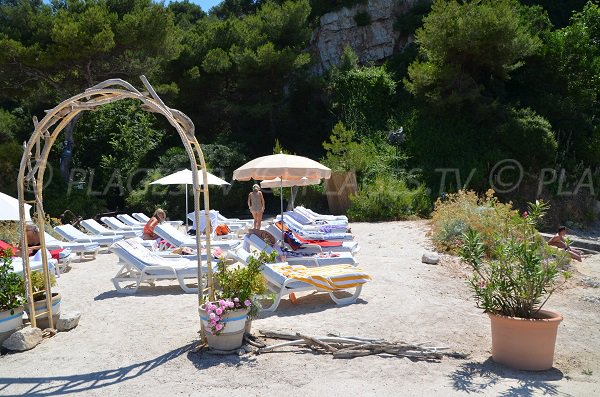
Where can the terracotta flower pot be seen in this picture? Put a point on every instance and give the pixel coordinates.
(522, 343)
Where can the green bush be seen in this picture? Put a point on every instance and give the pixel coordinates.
(11, 284)
(386, 199)
(464, 211)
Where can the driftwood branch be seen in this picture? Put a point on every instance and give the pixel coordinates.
(350, 347)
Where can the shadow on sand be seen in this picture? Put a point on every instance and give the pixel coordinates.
(143, 291)
(314, 302)
(82, 383)
(475, 377)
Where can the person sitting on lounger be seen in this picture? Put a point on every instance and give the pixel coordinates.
(558, 240)
(158, 217)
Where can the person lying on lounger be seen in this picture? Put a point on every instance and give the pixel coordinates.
(558, 240)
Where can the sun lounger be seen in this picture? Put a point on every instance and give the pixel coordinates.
(214, 221)
(314, 245)
(310, 213)
(180, 239)
(70, 233)
(142, 265)
(129, 220)
(311, 233)
(35, 264)
(308, 219)
(140, 216)
(283, 279)
(117, 225)
(319, 226)
(295, 258)
(94, 227)
(235, 223)
(76, 248)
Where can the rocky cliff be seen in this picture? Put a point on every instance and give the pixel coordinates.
(374, 41)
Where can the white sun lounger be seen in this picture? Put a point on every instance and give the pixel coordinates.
(312, 233)
(282, 286)
(214, 220)
(77, 248)
(35, 264)
(340, 258)
(140, 216)
(312, 214)
(180, 239)
(117, 225)
(94, 227)
(129, 220)
(70, 233)
(142, 265)
(346, 246)
(308, 219)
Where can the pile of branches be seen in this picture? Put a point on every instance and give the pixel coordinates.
(350, 347)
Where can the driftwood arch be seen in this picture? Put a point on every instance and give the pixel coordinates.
(37, 149)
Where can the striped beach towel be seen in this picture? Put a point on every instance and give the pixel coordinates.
(328, 278)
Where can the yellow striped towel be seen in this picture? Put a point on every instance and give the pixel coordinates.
(328, 278)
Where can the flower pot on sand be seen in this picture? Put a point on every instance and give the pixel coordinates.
(523, 343)
(42, 312)
(228, 334)
(9, 323)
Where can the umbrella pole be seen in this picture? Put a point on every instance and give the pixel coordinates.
(186, 208)
(281, 199)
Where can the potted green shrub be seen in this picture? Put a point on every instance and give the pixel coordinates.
(512, 285)
(226, 319)
(11, 296)
(39, 298)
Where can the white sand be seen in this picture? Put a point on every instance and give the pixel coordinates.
(141, 344)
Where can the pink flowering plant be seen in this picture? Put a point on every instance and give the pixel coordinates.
(238, 287)
(521, 272)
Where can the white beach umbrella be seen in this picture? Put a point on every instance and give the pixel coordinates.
(282, 166)
(185, 177)
(9, 208)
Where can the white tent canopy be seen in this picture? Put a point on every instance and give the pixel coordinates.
(9, 209)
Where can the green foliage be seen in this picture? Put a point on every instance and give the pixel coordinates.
(468, 50)
(361, 97)
(11, 284)
(362, 18)
(65, 47)
(462, 211)
(409, 22)
(38, 285)
(10, 160)
(522, 273)
(122, 136)
(388, 198)
(7, 126)
(346, 154)
(243, 282)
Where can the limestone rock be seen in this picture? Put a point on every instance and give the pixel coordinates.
(431, 258)
(68, 321)
(23, 339)
(371, 43)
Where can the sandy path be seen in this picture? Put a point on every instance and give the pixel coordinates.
(140, 345)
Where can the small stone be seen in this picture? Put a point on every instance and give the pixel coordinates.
(68, 321)
(431, 258)
(23, 339)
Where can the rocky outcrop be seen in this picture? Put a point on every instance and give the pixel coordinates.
(372, 43)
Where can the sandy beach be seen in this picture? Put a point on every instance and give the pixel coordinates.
(142, 344)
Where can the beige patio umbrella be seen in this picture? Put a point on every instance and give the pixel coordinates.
(291, 183)
(284, 167)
